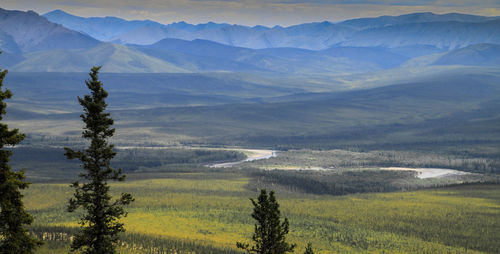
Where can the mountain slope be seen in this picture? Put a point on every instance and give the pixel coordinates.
(199, 55)
(32, 43)
(8, 45)
(143, 35)
(478, 55)
(11, 53)
(32, 32)
(312, 36)
(448, 31)
(112, 58)
(380, 56)
(200, 47)
(104, 29)
(317, 35)
(441, 110)
(207, 55)
(447, 35)
(422, 17)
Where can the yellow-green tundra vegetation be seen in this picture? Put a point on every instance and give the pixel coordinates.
(213, 209)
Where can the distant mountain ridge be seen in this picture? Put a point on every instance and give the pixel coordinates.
(405, 30)
(421, 17)
(32, 43)
(446, 35)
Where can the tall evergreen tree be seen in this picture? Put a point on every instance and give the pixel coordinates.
(269, 234)
(309, 249)
(99, 224)
(14, 237)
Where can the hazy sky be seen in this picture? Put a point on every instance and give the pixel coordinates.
(252, 12)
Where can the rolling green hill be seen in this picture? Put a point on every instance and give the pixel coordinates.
(112, 58)
(394, 114)
(442, 109)
(48, 93)
(202, 55)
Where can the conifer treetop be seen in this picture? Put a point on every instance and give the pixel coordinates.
(269, 232)
(99, 226)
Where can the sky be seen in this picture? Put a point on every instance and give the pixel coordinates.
(253, 12)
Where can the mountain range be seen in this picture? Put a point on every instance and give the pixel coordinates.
(391, 81)
(61, 42)
(444, 31)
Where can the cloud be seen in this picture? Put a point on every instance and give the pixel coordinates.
(253, 12)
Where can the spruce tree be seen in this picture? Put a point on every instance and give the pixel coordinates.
(269, 232)
(99, 225)
(309, 249)
(14, 237)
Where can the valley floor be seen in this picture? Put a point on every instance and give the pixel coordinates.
(212, 209)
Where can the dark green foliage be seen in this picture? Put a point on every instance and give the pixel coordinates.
(99, 224)
(52, 165)
(343, 182)
(172, 158)
(309, 249)
(270, 232)
(336, 183)
(14, 238)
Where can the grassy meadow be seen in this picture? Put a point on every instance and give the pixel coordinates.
(184, 211)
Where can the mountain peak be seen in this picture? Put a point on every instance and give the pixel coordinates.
(260, 28)
(33, 32)
(58, 13)
(31, 12)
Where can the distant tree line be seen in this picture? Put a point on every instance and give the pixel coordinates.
(333, 183)
(130, 159)
(136, 158)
